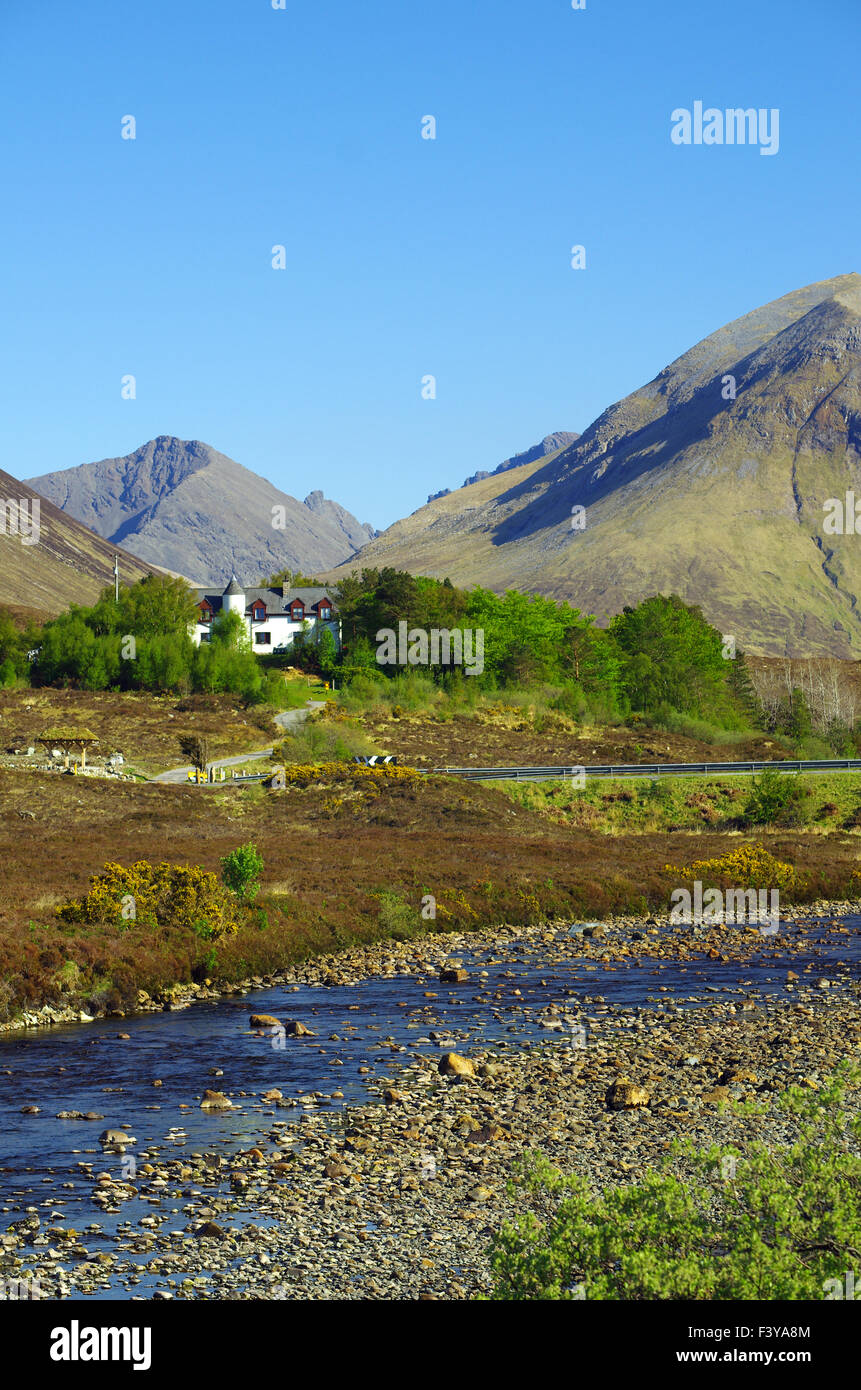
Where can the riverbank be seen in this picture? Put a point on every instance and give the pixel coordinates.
(399, 1198)
(351, 857)
(615, 939)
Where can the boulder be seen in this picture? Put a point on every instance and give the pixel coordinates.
(626, 1095)
(455, 975)
(737, 1074)
(215, 1100)
(209, 1230)
(264, 1021)
(116, 1136)
(452, 1064)
(294, 1029)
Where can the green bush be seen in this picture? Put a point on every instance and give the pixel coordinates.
(396, 918)
(776, 798)
(758, 1225)
(241, 870)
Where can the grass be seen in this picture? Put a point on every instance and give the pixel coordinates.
(422, 723)
(613, 806)
(348, 856)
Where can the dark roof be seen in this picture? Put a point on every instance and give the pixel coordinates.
(277, 601)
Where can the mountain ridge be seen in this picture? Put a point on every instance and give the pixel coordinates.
(708, 481)
(182, 505)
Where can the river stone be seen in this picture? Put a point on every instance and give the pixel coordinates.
(215, 1100)
(294, 1029)
(116, 1136)
(264, 1021)
(452, 1064)
(210, 1230)
(625, 1095)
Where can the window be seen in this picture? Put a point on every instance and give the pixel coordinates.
(325, 612)
(259, 614)
(206, 615)
(204, 637)
(263, 639)
(298, 614)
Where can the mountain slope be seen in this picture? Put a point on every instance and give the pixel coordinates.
(182, 505)
(68, 564)
(720, 500)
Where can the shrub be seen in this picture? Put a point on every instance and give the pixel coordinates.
(155, 895)
(766, 1225)
(396, 918)
(775, 797)
(749, 866)
(241, 870)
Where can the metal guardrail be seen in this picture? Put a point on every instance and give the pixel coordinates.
(545, 774)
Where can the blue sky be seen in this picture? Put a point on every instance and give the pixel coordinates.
(405, 257)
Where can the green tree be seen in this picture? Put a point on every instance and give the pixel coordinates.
(670, 655)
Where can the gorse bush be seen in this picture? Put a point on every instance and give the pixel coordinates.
(749, 866)
(760, 1224)
(309, 774)
(151, 896)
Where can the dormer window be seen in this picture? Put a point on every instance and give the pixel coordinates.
(205, 613)
(259, 613)
(325, 611)
(297, 612)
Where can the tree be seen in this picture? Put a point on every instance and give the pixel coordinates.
(670, 655)
(195, 747)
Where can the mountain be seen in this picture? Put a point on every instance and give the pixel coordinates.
(550, 444)
(66, 564)
(710, 482)
(182, 505)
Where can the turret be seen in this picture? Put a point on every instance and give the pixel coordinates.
(233, 598)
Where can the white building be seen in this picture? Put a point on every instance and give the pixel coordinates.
(273, 617)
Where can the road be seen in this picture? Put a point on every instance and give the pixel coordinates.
(289, 718)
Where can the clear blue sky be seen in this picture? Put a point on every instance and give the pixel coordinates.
(405, 256)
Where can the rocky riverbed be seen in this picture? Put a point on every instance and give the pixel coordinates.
(397, 1197)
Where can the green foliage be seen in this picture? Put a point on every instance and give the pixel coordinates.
(661, 657)
(241, 870)
(670, 655)
(396, 918)
(762, 1224)
(776, 798)
(323, 742)
(142, 642)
